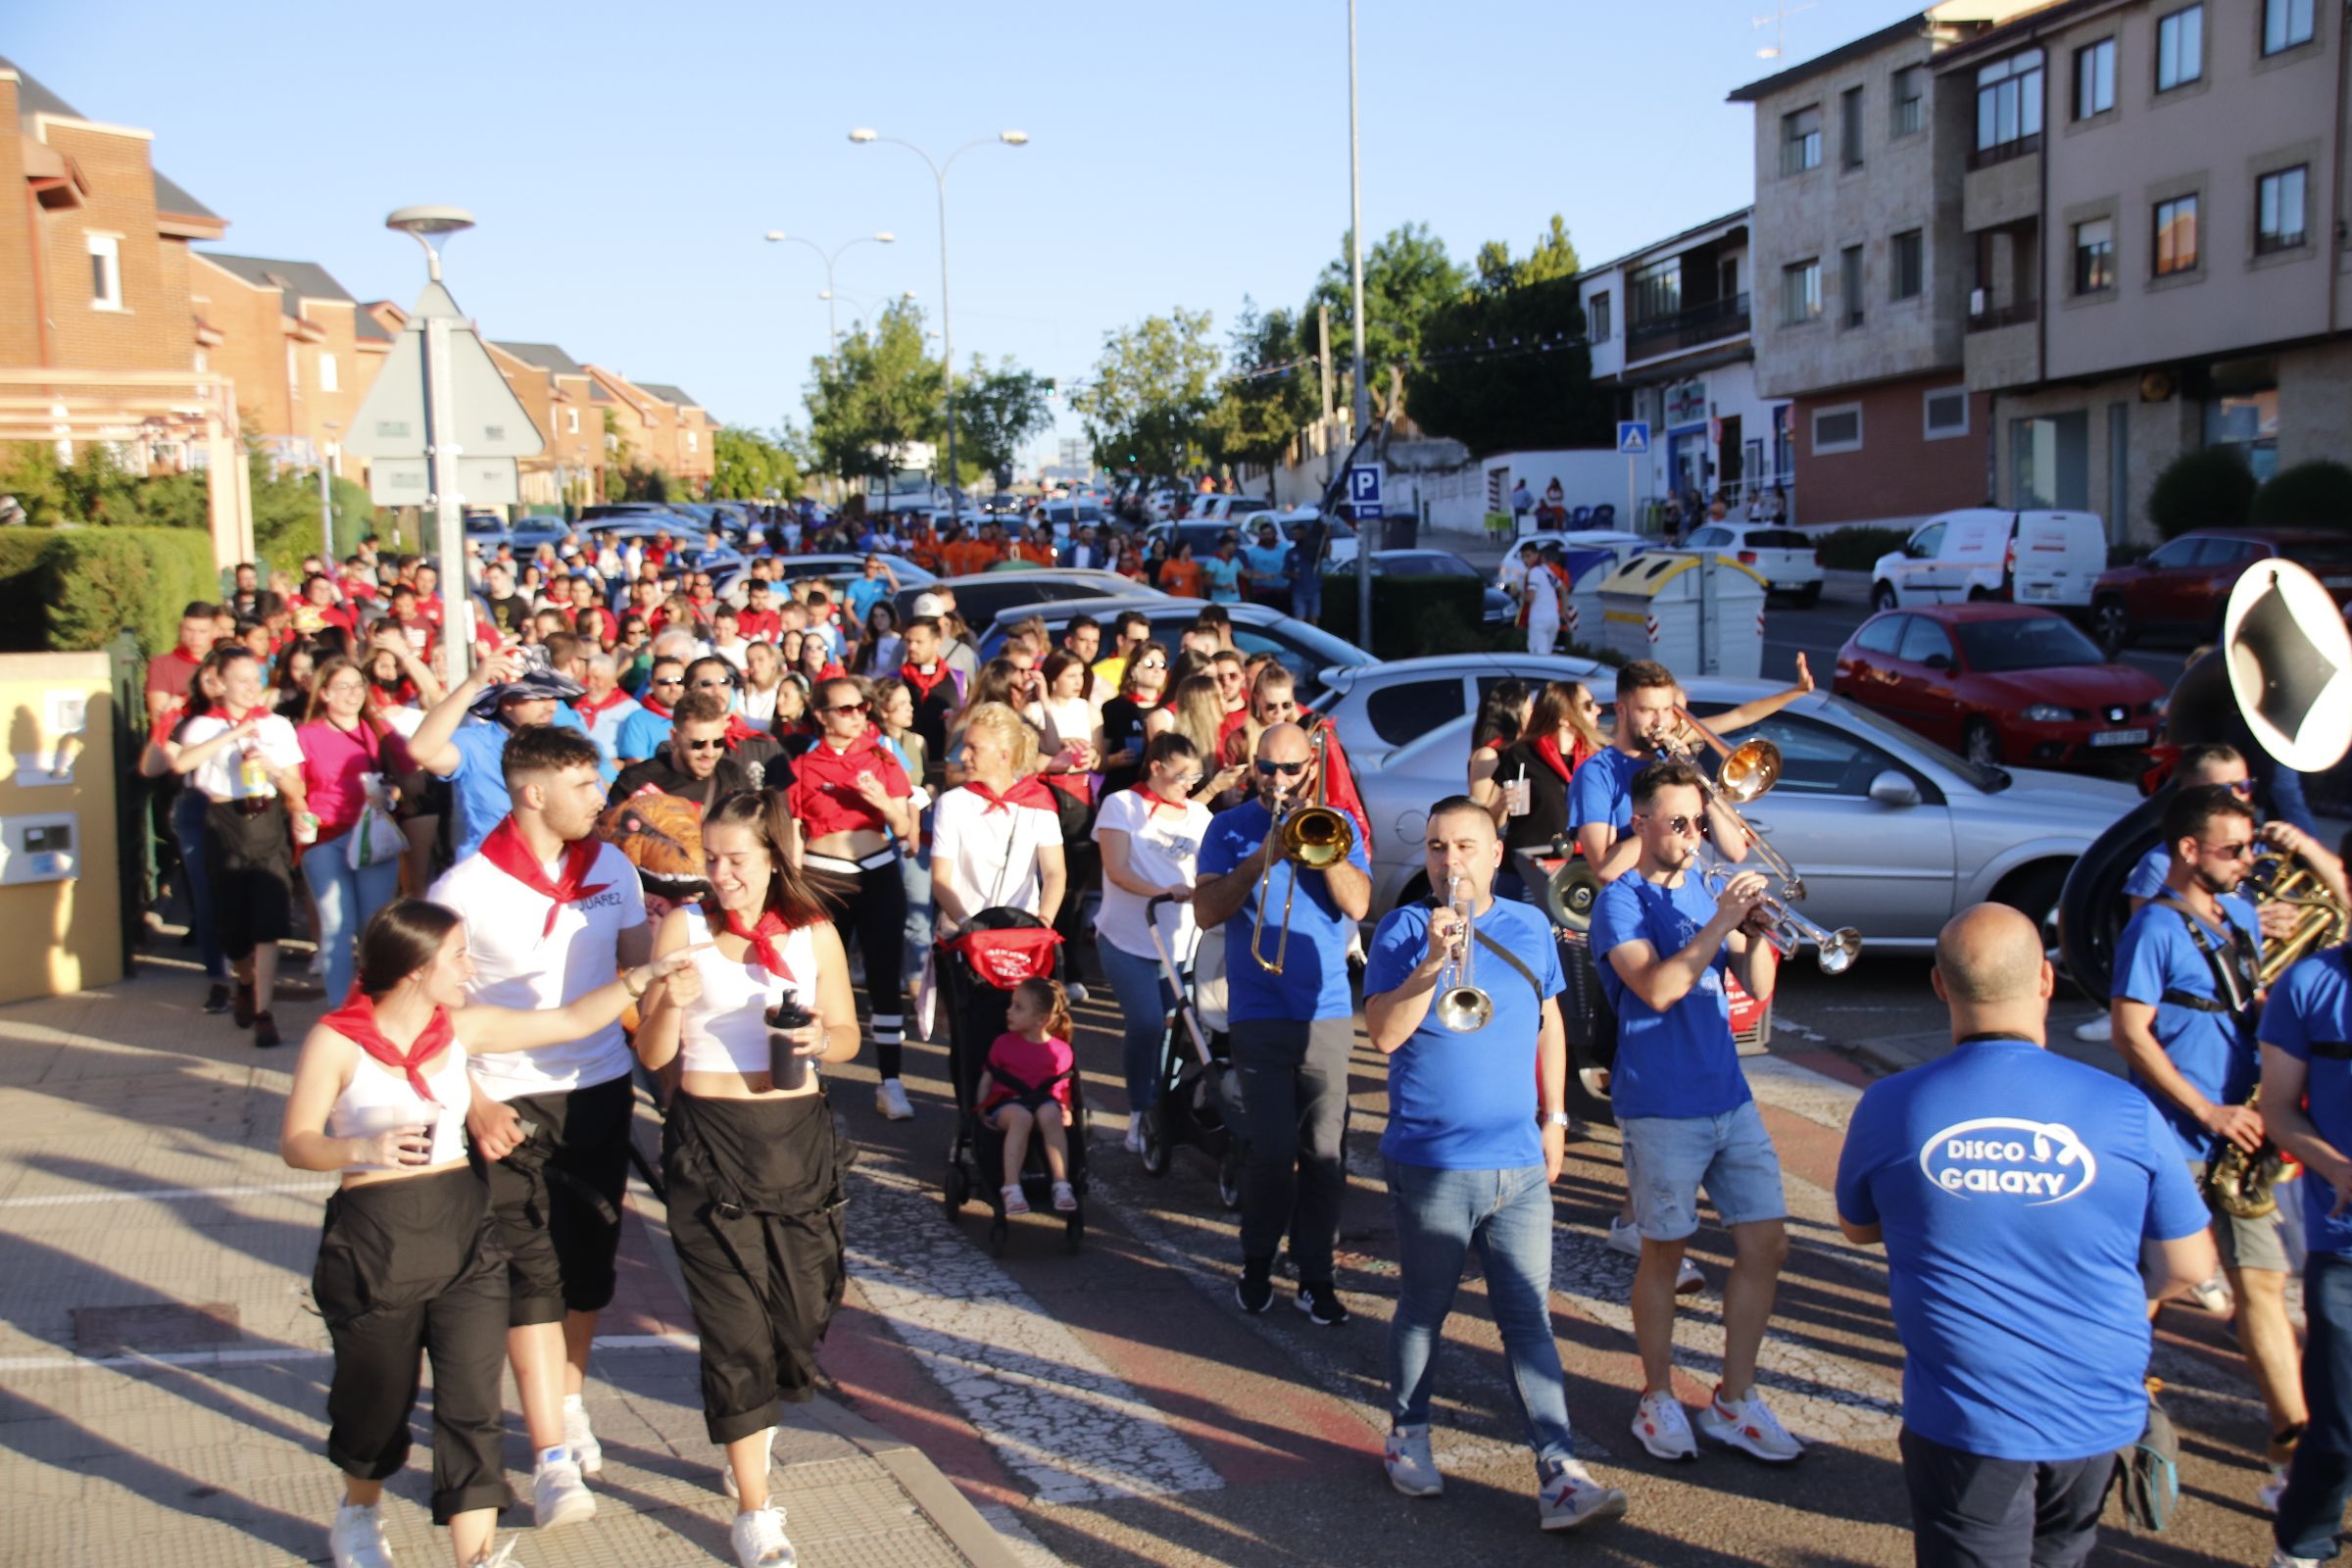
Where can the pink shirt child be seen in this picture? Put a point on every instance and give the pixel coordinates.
(1032, 1061)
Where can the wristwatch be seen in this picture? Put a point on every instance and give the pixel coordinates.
(1558, 1118)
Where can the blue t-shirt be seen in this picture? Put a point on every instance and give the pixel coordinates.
(1467, 1101)
(1267, 561)
(1313, 983)
(862, 594)
(1601, 790)
(1680, 1062)
(480, 783)
(2213, 1051)
(1223, 577)
(2013, 1244)
(2146, 880)
(641, 735)
(2309, 1016)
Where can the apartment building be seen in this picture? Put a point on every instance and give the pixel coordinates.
(1669, 327)
(692, 429)
(1861, 269)
(2152, 210)
(301, 350)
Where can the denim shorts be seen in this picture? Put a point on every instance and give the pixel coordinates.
(1669, 1159)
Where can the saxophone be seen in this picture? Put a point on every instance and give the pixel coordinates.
(2240, 1182)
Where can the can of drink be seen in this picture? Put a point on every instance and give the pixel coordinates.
(306, 828)
(255, 774)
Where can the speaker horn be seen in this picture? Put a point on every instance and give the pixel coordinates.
(2289, 660)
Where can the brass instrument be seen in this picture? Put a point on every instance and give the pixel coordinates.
(1788, 930)
(1745, 773)
(1460, 1005)
(2323, 924)
(2239, 1182)
(1569, 896)
(1314, 836)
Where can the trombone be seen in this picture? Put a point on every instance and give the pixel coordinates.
(1313, 836)
(1787, 930)
(1744, 774)
(1462, 1007)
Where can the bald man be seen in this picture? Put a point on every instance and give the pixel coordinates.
(2015, 1193)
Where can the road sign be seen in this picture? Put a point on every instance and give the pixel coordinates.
(408, 481)
(1364, 489)
(1632, 437)
(489, 421)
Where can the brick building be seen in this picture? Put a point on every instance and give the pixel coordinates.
(300, 348)
(556, 388)
(691, 457)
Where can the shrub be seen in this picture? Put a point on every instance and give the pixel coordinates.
(1858, 548)
(86, 584)
(2209, 488)
(2310, 495)
(1410, 616)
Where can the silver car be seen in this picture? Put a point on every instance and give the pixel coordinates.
(1892, 833)
(1380, 707)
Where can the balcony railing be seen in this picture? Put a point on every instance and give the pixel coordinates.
(2000, 152)
(2017, 313)
(1686, 329)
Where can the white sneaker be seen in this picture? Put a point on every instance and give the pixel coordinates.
(1134, 1133)
(1075, 991)
(2269, 1491)
(890, 1101)
(356, 1540)
(1627, 1239)
(759, 1538)
(501, 1558)
(2094, 1030)
(558, 1497)
(1412, 1469)
(1663, 1427)
(1687, 1280)
(580, 1437)
(727, 1470)
(1749, 1425)
(2280, 1559)
(1567, 1496)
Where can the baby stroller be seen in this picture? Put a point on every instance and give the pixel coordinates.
(977, 971)
(1198, 1104)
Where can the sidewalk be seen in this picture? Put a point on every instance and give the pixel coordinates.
(162, 1376)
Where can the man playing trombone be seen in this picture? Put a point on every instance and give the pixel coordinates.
(1286, 861)
(1663, 942)
(1462, 998)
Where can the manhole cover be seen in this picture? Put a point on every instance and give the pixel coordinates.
(163, 1326)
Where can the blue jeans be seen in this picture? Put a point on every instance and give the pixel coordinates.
(346, 899)
(1145, 999)
(916, 872)
(1507, 1215)
(2319, 1480)
(187, 831)
(1306, 598)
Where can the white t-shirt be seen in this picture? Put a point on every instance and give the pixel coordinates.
(514, 966)
(224, 777)
(991, 855)
(1161, 848)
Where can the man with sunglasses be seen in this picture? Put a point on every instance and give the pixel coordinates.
(2219, 763)
(694, 765)
(1132, 630)
(1291, 1031)
(1664, 941)
(643, 732)
(2184, 1014)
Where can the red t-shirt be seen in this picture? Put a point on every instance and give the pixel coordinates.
(824, 794)
(1032, 1061)
(172, 672)
(759, 625)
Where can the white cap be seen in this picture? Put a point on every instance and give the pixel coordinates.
(928, 605)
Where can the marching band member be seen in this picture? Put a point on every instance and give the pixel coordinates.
(1471, 1153)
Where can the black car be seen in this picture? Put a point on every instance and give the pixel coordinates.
(981, 595)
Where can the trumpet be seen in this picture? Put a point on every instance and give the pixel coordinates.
(1787, 930)
(1460, 1005)
(1313, 836)
(1746, 772)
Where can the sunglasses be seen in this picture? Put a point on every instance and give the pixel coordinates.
(849, 708)
(667, 680)
(2244, 789)
(719, 744)
(1153, 664)
(1286, 769)
(1678, 826)
(2243, 850)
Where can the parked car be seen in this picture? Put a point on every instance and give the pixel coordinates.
(2002, 683)
(1892, 834)
(1226, 509)
(980, 595)
(1782, 557)
(839, 570)
(2034, 558)
(1307, 650)
(1380, 707)
(2184, 585)
(1496, 609)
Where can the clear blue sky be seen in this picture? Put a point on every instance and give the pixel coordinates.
(624, 160)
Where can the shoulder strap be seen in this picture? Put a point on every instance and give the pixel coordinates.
(1500, 952)
(2234, 985)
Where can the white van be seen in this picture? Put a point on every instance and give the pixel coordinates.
(2036, 557)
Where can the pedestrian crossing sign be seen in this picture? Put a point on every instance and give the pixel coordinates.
(1632, 437)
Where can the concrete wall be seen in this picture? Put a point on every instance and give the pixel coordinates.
(63, 936)
(2154, 434)
(1897, 474)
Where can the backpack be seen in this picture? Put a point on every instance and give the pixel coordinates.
(2148, 1472)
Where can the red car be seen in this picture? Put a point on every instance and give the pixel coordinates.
(2002, 683)
(2182, 587)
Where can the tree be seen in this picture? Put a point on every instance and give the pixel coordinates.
(876, 396)
(2313, 493)
(2208, 488)
(1505, 364)
(617, 459)
(1270, 391)
(996, 411)
(746, 466)
(1408, 278)
(1148, 404)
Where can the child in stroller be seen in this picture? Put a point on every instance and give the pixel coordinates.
(1026, 1086)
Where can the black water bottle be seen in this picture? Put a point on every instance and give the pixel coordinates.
(786, 1068)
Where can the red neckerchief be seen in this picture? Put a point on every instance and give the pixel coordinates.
(590, 706)
(765, 940)
(924, 684)
(654, 707)
(257, 710)
(1153, 802)
(738, 732)
(1030, 791)
(356, 1022)
(505, 849)
(1548, 747)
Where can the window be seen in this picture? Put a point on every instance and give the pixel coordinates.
(1800, 140)
(2050, 461)
(693, 441)
(1849, 284)
(1849, 129)
(1411, 707)
(2241, 412)
(2180, 48)
(572, 421)
(1947, 412)
(1800, 293)
(1924, 640)
(1880, 636)
(2278, 210)
(2284, 25)
(2094, 79)
(328, 382)
(1656, 290)
(1598, 325)
(2094, 256)
(1837, 429)
(1910, 100)
(2009, 102)
(2177, 236)
(1907, 255)
(106, 273)
(2175, 555)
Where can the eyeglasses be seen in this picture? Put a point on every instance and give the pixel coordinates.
(1153, 664)
(2242, 850)
(667, 680)
(1678, 826)
(1286, 769)
(849, 708)
(718, 744)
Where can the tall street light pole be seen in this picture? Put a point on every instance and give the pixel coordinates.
(424, 224)
(880, 236)
(1355, 284)
(947, 332)
(327, 497)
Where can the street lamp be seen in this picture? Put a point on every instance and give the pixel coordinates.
(947, 330)
(424, 224)
(326, 495)
(880, 236)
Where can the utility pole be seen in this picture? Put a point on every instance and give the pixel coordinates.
(1355, 283)
(326, 499)
(1323, 368)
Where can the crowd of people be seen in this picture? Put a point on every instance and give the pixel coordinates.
(657, 836)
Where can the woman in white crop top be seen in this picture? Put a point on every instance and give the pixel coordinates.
(380, 1095)
(749, 1160)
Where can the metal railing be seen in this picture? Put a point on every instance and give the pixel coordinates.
(2001, 152)
(2017, 313)
(1686, 329)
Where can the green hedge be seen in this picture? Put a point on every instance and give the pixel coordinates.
(86, 584)
(2208, 488)
(1410, 616)
(1857, 549)
(2316, 494)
